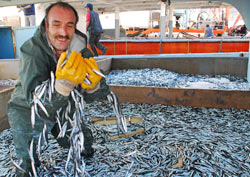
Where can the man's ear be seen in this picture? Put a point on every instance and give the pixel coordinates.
(46, 26)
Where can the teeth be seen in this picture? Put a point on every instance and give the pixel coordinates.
(62, 40)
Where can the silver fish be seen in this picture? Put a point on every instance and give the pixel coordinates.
(63, 130)
(121, 120)
(99, 73)
(33, 118)
(37, 101)
(52, 75)
(50, 93)
(31, 148)
(81, 137)
(45, 134)
(18, 165)
(58, 123)
(68, 52)
(68, 158)
(39, 146)
(41, 93)
(87, 81)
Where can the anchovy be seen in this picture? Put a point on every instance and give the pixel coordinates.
(68, 118)
(50, 93)
(18, 165)
(68, 158)
(66, 59)
(33, 118)
(77, 93)
(128, 174)
(31, 150)
(32, 158)
(87, 81)
(33, 168)
(39, 96)
(45, 134)
(36, 110)
(59, 123)
(124, 123)
(73, 96)
(36, 100)
(121, 120)
(68, 107)
(39, 146)
(52, 81)
(99, 73)
(63, 130)
(81, 137)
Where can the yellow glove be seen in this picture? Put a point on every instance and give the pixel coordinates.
(70, 74)
(91, 75)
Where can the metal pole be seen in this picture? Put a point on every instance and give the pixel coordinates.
(248, 65)
(170, 24)
(117, 22)
(163, 21)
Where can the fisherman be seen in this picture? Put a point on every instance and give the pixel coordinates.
(55, 40)
(94, 28)
(29, 14)
(209, 32)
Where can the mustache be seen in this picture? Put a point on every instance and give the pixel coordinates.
(62, 37)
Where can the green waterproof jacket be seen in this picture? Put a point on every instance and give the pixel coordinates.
(36, 63)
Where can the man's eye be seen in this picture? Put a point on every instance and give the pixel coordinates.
(56, 25)
(70, 26)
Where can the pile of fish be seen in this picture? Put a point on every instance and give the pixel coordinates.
(157, 77)
(179, 141)
(163, 78)
(7, 82)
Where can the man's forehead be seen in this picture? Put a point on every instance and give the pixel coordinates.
(60, 13)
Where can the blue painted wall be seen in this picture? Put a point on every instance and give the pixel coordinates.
(22, 34)
(6, 43)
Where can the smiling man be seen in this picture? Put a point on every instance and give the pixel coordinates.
(42, 55)
(60, 24)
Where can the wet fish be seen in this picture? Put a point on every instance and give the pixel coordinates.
(33, 118)
(211, 142)
(52, 76)
(99, 73)
(18, 165)
(37, 101)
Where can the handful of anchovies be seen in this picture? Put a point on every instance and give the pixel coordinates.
(68, 126)
(121, 119)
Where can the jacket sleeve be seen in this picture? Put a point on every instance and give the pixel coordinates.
(100, 94)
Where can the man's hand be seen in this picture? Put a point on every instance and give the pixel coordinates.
(70, 74)
(91, 75)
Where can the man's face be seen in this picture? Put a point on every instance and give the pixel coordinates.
(60, 27)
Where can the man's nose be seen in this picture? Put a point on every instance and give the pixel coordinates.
(63, 30)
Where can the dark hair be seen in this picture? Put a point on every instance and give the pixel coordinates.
(61, 4)
(90, 6)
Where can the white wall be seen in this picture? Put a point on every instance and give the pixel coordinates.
(127, 19)
(40, 13)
